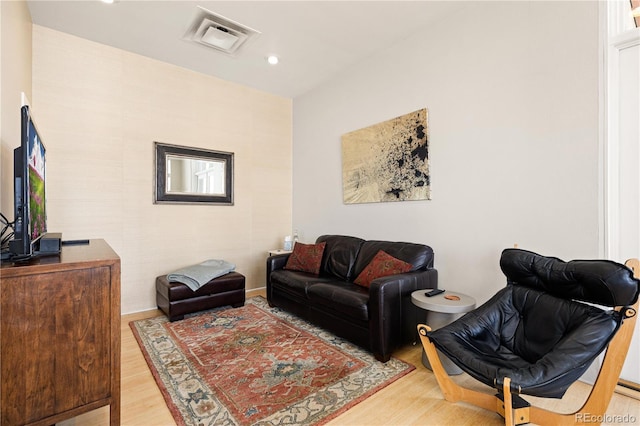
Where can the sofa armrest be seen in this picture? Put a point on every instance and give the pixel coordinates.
(275, 262)
(392, 315)
(402, 284)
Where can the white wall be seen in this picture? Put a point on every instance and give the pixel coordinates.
(623, 154)
(512, 94)
(100, 109)
(15, 78)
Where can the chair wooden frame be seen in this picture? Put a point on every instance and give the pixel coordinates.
(516, 410)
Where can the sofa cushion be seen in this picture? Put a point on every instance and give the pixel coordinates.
(294, 282)
(420, 256)
(340, 255)
(346, 299)
(306, 258)
(381, 265)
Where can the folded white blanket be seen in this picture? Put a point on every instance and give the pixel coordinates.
(195, 276)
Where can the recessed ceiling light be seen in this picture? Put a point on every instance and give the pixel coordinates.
(273, 60)
(108, 1)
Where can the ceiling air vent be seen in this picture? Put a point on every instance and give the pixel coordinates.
(218, 32)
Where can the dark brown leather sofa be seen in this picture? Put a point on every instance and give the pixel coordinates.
(379, 318)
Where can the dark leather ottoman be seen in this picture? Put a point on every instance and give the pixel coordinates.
(176, 299)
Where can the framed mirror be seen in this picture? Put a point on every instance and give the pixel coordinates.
(192, 175)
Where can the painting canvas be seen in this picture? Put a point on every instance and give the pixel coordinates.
(388, 161)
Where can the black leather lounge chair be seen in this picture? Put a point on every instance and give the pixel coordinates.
(536, 336)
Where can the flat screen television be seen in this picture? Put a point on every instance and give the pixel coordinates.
(29, 184)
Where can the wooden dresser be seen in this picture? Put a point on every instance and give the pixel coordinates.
(60, 336)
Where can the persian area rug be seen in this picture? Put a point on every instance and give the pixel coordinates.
(257, 365)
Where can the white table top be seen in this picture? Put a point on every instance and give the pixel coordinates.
(279, 251)
(439, 302)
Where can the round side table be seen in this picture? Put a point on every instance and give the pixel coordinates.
(442, 309)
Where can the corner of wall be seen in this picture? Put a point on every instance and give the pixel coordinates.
(15, 77)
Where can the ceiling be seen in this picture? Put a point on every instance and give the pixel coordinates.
(315, 40)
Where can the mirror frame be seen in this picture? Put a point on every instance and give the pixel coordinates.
(161, 196)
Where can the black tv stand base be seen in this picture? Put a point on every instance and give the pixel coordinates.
(50, 243)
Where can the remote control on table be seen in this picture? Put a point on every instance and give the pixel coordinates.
(74, 242)
(434, 292)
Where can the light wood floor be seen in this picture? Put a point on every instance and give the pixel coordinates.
(415, 399)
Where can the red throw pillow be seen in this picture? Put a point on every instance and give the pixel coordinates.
(381, 265)
(306, 258)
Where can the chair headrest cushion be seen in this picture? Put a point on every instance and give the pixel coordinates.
(603, 282)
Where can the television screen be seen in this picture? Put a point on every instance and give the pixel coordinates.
(36, 171)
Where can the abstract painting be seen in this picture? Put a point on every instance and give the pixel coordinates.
(388, 161)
